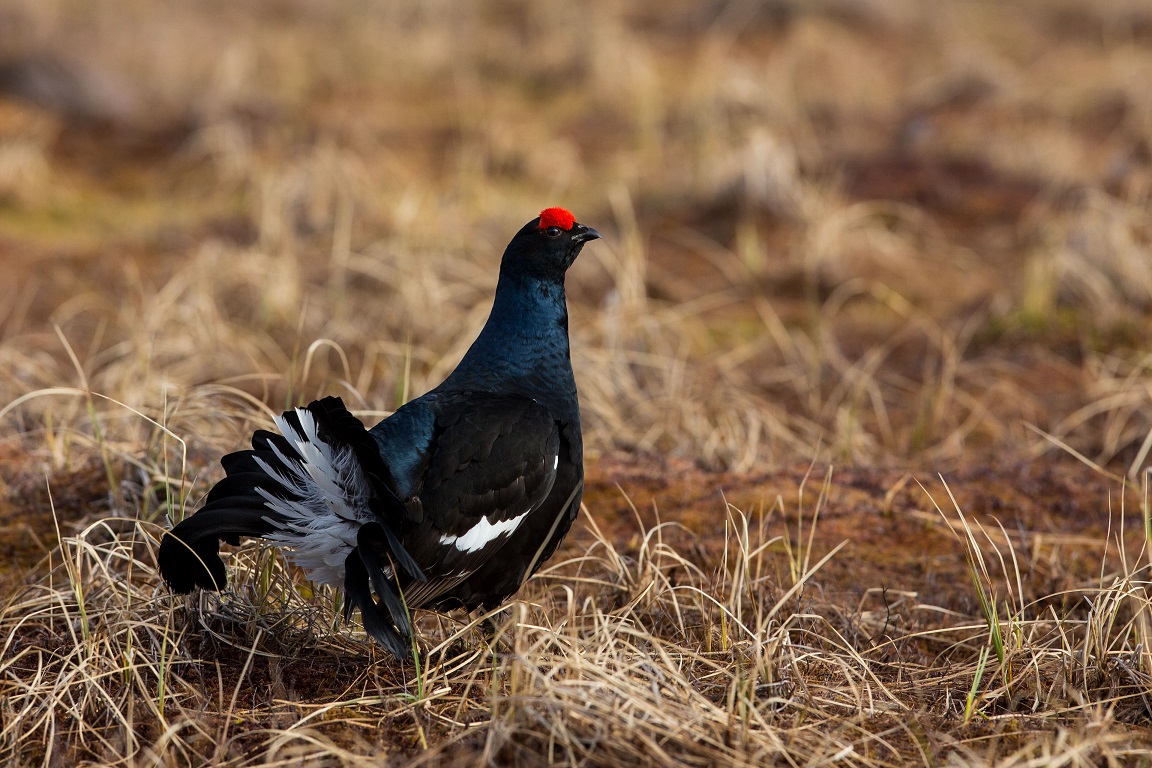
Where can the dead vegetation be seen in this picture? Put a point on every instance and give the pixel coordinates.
(899, 239)
(654, 652)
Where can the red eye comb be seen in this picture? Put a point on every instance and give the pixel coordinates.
(556, 217)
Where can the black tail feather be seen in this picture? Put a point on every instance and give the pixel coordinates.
(377, 621)
(369, 540)
(189, 553)
(389, 542)
(238, 505)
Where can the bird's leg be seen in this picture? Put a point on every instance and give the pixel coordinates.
(494, 629)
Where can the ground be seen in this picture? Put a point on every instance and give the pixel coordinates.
(863, 362)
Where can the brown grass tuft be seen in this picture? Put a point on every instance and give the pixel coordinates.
(907, 241)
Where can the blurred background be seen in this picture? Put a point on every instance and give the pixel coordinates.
(869, 231)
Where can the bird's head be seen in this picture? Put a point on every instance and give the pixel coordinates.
(547, 245)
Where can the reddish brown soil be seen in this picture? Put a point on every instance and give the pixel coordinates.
(1054, 510)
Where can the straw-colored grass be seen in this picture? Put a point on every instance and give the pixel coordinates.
(900, 239)
(649, 656)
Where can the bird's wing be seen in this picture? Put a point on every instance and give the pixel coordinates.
(492, 462)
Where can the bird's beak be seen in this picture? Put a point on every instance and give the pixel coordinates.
(584, 234)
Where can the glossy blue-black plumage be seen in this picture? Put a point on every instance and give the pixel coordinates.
(473, 485)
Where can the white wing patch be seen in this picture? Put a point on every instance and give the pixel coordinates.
(483, 533)
(318, 529)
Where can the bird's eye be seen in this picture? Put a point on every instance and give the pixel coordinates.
(553, 231)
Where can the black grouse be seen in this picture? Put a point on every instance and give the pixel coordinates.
(453, 500)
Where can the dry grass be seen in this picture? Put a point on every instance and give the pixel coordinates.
(879, 234)
(647, 656)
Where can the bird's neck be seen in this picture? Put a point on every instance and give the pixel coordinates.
(524, 344)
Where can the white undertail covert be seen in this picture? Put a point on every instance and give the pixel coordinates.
(318, 528)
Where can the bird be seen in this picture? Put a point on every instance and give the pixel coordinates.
(452, 501)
